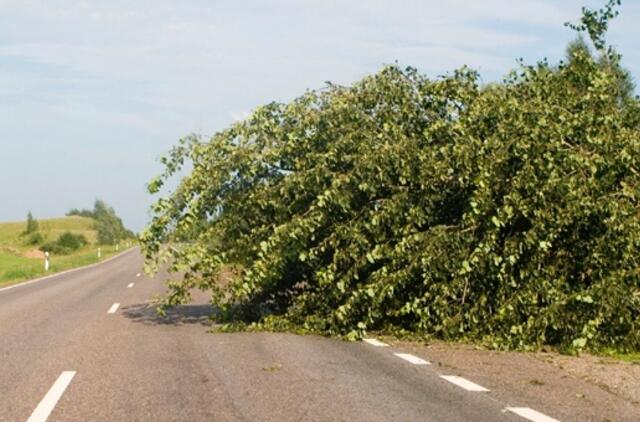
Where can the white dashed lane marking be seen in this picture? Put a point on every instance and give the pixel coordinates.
(113, 308)
(524, 412)
(531, 414)
(138, 275)
(44, 409)
(413, 359)
(463, 383)
(375, 342)
(130, 285)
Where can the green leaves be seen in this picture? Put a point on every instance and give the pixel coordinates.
(506, 213)
(596, 22)
(579, 343)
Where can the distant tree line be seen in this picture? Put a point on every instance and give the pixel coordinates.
(108, 225)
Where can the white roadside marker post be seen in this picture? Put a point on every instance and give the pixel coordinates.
(99, 253)
(117, 247)
(46, 261)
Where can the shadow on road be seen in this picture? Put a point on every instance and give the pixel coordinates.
(179, 315)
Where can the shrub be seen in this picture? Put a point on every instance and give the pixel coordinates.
(35, 239)
(72, 241)
(65, 244)
(54, 248)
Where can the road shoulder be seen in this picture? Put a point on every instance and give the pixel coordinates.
(565, 387)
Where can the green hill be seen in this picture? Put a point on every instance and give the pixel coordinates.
(20, 261)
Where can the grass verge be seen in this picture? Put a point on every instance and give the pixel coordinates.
(21, 261)
(16, 269)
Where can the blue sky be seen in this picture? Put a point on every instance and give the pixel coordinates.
(93, 92)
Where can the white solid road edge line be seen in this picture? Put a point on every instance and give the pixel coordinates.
(463, 383)
(44, 409)
(73, 270)
(531, 414)
(130, 285)
(113, 308)
(413, 359)
(375, 342)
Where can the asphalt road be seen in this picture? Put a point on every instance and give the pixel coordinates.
(58, 340)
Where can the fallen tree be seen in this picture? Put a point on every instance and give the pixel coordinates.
(505, 213)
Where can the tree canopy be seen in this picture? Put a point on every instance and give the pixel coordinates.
(108, 224)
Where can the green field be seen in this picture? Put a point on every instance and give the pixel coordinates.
(20, 261)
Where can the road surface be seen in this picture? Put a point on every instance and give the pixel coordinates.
(88, 346)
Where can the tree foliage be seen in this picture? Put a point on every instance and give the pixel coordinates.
(66, 243)
(596, 22)
(32, 224)
(108, 225)
(506, 213)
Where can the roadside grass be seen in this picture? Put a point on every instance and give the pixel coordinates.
(633, 357)
(16, 267)
(10, 233)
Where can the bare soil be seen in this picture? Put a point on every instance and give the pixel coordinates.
(34, 254)
(10, 250)
(613, 375)
(568, 388)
